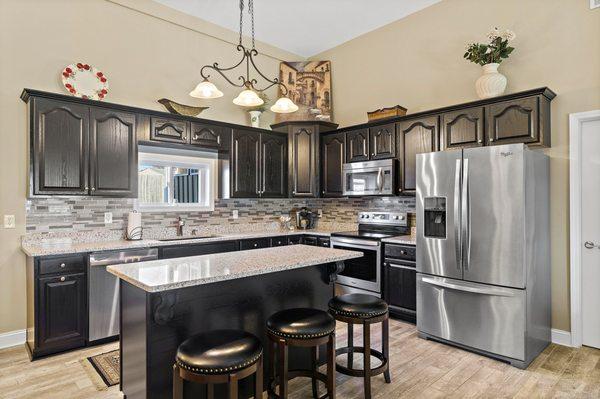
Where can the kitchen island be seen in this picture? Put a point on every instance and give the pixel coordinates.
(163, 302)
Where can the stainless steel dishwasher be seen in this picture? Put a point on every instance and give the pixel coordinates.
(103, 291)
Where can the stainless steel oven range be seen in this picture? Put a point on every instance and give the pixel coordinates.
(364, 274)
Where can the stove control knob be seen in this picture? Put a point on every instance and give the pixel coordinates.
(362, 216)
(396, 217)
(401, 217)
(367, 216)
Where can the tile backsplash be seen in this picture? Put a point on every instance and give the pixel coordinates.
(79, 214)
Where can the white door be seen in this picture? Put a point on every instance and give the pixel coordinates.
(590, 232)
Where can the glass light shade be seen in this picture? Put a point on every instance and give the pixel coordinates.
(248, 98)
(284, 106)
(206, 89)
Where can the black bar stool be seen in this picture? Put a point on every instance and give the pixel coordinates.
(218, 357)
(306, 328)
(366, 310)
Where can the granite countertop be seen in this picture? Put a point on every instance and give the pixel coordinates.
(168, 274)
(406, 240)
(40, 248)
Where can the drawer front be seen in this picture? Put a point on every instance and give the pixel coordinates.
(255, 244)
(64, 264)
(404, 252)
(170, 131)
(294, 240)
(201, 249)
(206, 135)
(279, 241)
(483, 317)
(310, 240)
(324, 242)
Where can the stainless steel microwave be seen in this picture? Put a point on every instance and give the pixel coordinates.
(370, 178)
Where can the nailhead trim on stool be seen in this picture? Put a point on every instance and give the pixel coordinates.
(357, 314)
(218, 370)
(299, 336)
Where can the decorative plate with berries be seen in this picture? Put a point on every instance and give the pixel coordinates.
(85, 81)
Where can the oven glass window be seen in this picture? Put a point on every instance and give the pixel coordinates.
(364, 268)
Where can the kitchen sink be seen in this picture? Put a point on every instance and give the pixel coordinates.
(197, 237)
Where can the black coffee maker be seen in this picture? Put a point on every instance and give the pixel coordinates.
(305, 219)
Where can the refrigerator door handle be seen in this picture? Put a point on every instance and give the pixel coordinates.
(467, 288)
(457, 219)
(465, 217)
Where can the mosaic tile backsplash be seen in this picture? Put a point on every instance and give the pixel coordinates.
(81, 214)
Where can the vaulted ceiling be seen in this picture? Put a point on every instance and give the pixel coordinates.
(303, 27)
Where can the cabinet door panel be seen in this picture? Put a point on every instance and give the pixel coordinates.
(332, 161)
(274, 165)
(513, 121)
(382, 141)
(415, 136)
(60, 154)
(113, 153)
(304, 175)
(245, 164)
(206, 135)
(62, 311)
(357, 145)
(170, 131)
(402, 287)
(462, 128)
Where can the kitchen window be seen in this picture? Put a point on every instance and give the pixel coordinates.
(176, 180)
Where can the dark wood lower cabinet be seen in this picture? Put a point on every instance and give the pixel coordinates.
(62, 313)
(400, 281)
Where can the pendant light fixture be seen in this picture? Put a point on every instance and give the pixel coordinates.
(249, 96)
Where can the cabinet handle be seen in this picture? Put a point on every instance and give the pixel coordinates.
(480, 141)
(185, 137)
(87, 188)
(255, 245)
(63, 278)
(62, 265)
(491, 139)
(93, 189)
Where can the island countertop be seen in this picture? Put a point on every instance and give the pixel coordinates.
(168, 274)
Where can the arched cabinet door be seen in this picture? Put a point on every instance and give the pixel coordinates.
(274, 165)
(514, 121)
(113, 153)
(245, 164)
(415, 136)
(60, 147)
(303, 161)
(332, 161)
(357, 145)
(383, 141)
(462, 128)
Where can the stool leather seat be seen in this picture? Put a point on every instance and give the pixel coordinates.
(301, 323)
(358, 305)
(219, 351)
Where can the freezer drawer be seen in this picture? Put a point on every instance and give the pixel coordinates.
(483, 317)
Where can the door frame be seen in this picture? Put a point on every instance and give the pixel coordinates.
(575, 124)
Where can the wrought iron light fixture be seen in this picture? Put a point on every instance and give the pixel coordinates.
(249, 96)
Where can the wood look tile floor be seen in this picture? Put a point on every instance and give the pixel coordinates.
(420, 369)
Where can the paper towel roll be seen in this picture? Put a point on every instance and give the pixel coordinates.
(134, 226)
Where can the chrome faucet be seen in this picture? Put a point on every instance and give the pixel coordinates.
(180, 224)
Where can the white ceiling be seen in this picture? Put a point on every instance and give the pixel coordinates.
(303, 27)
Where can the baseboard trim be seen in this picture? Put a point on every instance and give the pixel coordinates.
(12, 338)
(561, 337)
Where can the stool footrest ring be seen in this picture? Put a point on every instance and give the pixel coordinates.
(360, 372)
(293, 374)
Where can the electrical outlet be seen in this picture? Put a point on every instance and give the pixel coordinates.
(107, 217)
(234, 214)
(9, 221)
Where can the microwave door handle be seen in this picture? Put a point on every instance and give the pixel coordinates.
(465, 217)
(380, 179)
(457, 219)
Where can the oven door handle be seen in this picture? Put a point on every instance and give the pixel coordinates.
(397, 266)
(380, 179)
(356, 243)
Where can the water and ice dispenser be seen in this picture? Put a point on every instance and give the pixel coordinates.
(434, 217)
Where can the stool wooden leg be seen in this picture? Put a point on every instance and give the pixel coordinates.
(331, 366)
(271, 348)
(177, 383)
(233, 387)
(350, 344)
(283, 370)
(385, 340)
(367, 359)
(314, 359)
(210, 391)
(258, 379)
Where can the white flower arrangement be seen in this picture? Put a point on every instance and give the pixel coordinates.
(494, 51)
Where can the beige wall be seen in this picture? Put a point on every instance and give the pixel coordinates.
(417, 62)
(148, 51)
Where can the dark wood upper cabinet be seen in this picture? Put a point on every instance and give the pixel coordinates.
(245, 163)
(274, 172)
(514, 121)
(303, 161)
(169, 130)
(332, 161)
(59, 137)
(206, 135)
(357, 145)
(382, 141)
(62, 312)
(113, 153)
(415, 136)
(463, 128)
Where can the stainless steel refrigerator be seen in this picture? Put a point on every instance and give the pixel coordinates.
(483, 245)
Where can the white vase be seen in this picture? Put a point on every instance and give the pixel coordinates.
(492, 83)
(255, 118)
